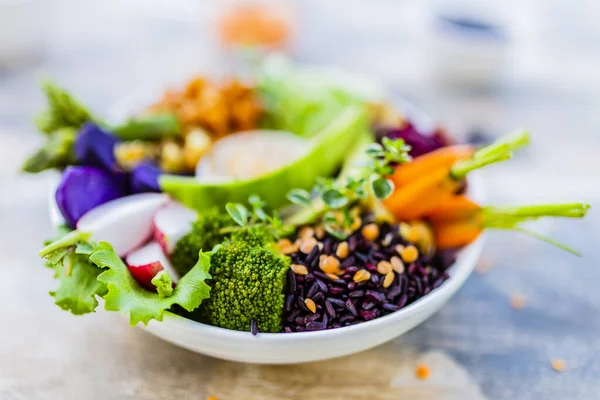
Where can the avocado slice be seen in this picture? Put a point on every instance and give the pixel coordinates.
(328, 148)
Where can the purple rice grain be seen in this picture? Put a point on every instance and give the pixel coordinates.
(336, 302)
(291, 281)
(393, 292)
(253, 327)
(315, 326)
(336, 290)
(313, 255)
(318, 297)
(367, 305)
(375, 296)
(391, 307)
(322, 286)
(311, 317)
(343, 302)
(289, 301)
(329, 309)
(314, 288)
(350, 306)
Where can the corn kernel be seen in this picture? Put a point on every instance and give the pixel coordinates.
(361, 275)
(306, 245)
(388, 280)
(410, 254)
(330, 265)
(397, 264)
(384, 267)
(310, 305)
(342, 250)
(299, 269)
(370, 232)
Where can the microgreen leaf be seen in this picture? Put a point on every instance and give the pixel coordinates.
(257, 204)
(374, 149)
(238, 212)
(299, 196)
(334, 199)
(382, 187)
(336, 233)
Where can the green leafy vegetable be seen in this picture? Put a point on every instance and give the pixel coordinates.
(57, 152)
(151, 127)
(126, 296)
(353, 186)
(163, 283)
(299, 101)
(248, 277)
(78, 287)
(238, 212)
(206, 233)
(64, 111)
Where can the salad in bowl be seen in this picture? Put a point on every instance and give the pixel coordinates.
(280, 207)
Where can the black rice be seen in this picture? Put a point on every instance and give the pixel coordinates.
(342, 301)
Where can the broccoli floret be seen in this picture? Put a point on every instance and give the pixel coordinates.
(248, 278)
(205, 235)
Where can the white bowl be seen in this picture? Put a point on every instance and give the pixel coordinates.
(290, 348)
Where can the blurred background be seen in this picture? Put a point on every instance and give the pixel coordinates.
(478, 68)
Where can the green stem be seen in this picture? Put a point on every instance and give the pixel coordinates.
(547, 240)
(462, 168)
(70, 239)
(509, 217)
(513, 140)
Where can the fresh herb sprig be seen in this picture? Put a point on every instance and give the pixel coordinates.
(334, 199)
(255, 216)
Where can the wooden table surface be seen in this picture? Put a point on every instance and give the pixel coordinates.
(477, 347)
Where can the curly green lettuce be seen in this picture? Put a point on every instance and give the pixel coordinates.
(87, 270)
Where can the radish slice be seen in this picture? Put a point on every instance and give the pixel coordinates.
(125, 223)
(171, 223)
(147, 261)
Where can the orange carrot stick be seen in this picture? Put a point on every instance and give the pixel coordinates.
(440, 174)
(443, 158)
(406, 196)
(457, 233)
(453, 208)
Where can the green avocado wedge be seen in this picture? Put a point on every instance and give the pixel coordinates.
(328, 150)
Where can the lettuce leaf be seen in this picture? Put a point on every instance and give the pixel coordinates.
(298, 100)
(78, 285)
(126, 296)
(77, 288)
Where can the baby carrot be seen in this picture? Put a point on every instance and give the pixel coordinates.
(441, 179)
(456, 232)
(443, 158)
(456, 207)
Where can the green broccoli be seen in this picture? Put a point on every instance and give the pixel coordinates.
(205, 235)
(248, 278)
